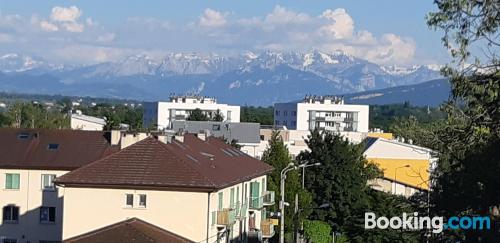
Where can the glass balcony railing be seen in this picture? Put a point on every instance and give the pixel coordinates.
(256, 202)
(268, 198)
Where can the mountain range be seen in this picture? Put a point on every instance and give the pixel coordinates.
(248, 78)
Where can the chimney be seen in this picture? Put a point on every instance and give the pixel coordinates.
(202, 136)
(115, 137)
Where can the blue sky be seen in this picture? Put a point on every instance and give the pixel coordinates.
(88, 31)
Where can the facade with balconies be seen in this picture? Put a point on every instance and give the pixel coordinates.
(161, 114)
(322, 112)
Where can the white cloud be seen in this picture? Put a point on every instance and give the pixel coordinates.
(106, 38)
(63, 14)
(5, 38)
(212, 18)
(282, 16)
(73, 27)
(342, 26)
(45, 25)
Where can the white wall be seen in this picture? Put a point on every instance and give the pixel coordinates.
(79, 124)
(159, 112)
(185, 213)
(29, 198)
(394, 150)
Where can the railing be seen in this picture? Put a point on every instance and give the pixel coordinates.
(267, 228)
(226, 216)
(268, 198)
(256, 202)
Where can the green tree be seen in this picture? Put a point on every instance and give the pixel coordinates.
(342, 181)
(468, 151)
(317, 231)
(277, 155)
(218, 116)
(197, 115)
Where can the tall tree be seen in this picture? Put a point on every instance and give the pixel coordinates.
(342, 181)
(468, 156)
(277, 155)
(197, 115)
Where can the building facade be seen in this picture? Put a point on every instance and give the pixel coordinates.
(30, 160)
(406, 168)
(161, 114)
(322, 112)
(199, 188)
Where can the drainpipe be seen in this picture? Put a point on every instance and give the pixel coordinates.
(208, 217)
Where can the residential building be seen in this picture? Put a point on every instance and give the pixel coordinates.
(161, 114)
(80, 121)
(199, 188)
(30, 160)
(406, 167)
(322, 112)
(241, 132)
(294, 140)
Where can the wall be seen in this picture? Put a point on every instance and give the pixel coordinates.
(183, 213)
(78, 124)
(304, 108)
(29, 198)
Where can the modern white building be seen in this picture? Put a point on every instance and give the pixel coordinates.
(161, 114)
(322, 112)
(80, 121)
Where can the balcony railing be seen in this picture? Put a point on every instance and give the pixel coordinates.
(268, 198)
(267, 228)
(226, 216)
(256, 202)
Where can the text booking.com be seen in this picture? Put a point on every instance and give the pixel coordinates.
(416, 222)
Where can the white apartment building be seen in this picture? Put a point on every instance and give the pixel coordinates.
(322, 112)
(199, 188)
(161, 114)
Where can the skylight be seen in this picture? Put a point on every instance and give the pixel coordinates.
(53, 146)
(23, 135)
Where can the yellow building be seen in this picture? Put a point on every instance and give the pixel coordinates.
(406, 167)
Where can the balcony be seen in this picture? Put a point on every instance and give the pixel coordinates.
(268, 198)
(267, 228)
(256, 202)
(226, 216)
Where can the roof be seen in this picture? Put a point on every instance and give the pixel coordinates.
(52, 149)
(372, 140)
(194, 165)
(130, 230)
(87, 118)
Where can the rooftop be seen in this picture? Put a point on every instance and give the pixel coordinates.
(52, 149)
(130, 230)
(191, 165)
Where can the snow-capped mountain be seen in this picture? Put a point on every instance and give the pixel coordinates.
(250, 77)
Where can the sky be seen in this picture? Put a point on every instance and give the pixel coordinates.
(387, 32)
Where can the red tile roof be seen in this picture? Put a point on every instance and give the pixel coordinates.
(74, 148)
(150, 164)
(131, 230)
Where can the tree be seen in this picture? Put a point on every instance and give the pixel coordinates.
(218, 116)
(317, 231)
(197, 115)
(342, 181)
(468, 151)
(277, 155)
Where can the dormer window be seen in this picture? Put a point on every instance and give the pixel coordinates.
(53, 146)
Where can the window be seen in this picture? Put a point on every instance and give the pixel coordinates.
(129, 200)
(216, 127)
(285, 113)
(142, 200)
(276, 122)
(11, 181)
(48, 182)
(10, 214)
(52, 146)
(262, 137)
(294, 113)
(9, 241)
(277, 112)
(221, 197)
(294, 123)
(47, 214)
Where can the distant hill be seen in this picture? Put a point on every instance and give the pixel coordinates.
(430, 93)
